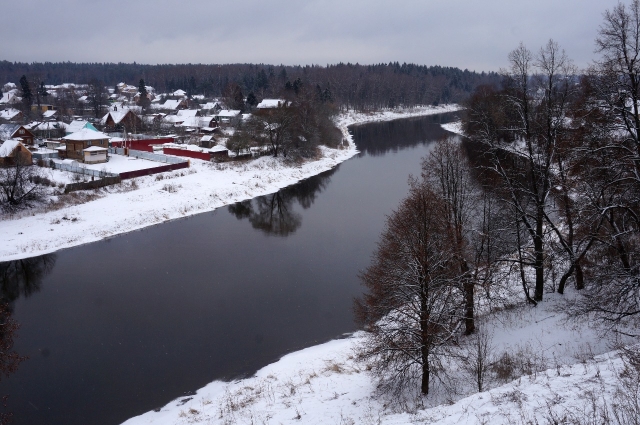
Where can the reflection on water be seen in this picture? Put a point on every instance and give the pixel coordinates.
(17, 278)
(377, 139)
(23, 277)
(274, 214)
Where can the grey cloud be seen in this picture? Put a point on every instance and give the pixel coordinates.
(464, 33)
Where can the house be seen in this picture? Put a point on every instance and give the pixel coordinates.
(228, 117)
(42, 108)
(13, 150)
(10, 98)
(117, 120)
(188, 113)
(11, 114)
(16, 131)
(95, 155)
(50, 114)
(211, 106)
(77, 146)
(272, 103)
(174, 104)
(77, 125)
(49, 129)
(218, 151)
(207, 141)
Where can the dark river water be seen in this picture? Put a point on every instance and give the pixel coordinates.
(119, 327)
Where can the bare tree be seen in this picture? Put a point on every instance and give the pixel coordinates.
(612, 148)
(522, 126)
(20, 185)
(449, 174)
(97, 97)
(412, 308)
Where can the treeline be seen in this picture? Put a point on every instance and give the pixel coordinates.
(352, 86)
(551, 203)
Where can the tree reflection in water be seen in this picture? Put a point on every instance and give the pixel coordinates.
(17, 278)
(274, 214)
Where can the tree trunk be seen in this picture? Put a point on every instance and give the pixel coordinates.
(424, 335)
(539, 257)
(579, 277)
(424, 387)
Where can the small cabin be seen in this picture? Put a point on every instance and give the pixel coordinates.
(12, 151)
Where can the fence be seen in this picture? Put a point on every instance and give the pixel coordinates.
(78, 169)
(95, 184)
(157, 157)
(188, 153)
(150, 171)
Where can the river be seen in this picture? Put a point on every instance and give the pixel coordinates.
(116, 328)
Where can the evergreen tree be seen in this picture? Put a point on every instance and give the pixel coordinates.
(144, 95)
(252, 101)
(27, 96)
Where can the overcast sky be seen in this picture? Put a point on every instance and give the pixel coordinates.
(471, 34)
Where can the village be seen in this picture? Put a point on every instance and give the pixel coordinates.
(97, 136)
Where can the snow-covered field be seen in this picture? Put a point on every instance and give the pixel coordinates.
(203, 187)
(121, 164)
(326, 385)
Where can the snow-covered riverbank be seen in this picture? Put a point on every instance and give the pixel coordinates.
(569, 371)
(152, 200)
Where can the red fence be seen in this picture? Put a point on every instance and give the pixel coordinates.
(143, 144)
(187, 153)
(155, 170)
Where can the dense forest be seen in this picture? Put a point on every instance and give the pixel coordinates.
(351, 86)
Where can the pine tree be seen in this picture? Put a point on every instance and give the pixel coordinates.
(27, 96)
(144, 95)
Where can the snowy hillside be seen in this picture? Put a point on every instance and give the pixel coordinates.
(544, 366)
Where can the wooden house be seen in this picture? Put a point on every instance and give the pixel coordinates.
(13, 150)
(16, 131)
(77, 143)
(118, 120)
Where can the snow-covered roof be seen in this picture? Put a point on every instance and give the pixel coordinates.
(210, 105)
(94, 149)
(8, 146)
(8, 130)
(10, 97)
(187, 113)
(50, 125)
(207, 138)
(272, 103)
(228, 113)
(9, 114)
(78, 125)
(179, 93)
(191, 122)
(116, 116)
(171, 104)
(218, 148)
(49, 114)
(86, 134)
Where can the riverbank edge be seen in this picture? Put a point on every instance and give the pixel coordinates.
(30, 236)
